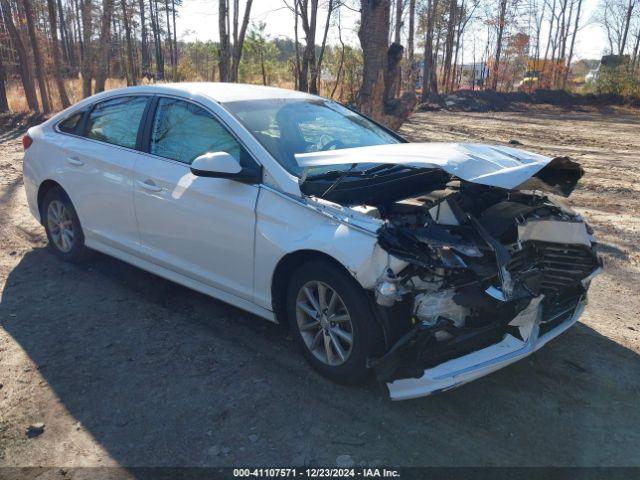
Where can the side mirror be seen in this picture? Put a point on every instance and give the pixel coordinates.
(215, 164)
(224, 165)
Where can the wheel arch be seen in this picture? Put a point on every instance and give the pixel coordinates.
(45, 187)
(282, 273)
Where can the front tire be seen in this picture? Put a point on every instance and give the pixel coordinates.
(332, 321)
(62, 226)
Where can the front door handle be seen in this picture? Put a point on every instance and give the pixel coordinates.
(75, 161)
(150, 185)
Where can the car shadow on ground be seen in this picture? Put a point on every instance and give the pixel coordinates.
(163, 376)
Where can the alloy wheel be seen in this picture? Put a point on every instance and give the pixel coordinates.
(60, 226)
(324, 323)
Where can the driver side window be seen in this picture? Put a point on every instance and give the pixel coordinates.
(182, 131)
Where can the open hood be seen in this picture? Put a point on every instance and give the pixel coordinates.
(490, 165)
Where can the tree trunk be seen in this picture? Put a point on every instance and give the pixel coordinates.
(223, 53)
(169, 39)
(627, 22)
(296, 43)
(636, 50)
(144, 45)
(429, 86)
(131, 77)
(411, 46)
(573, 41)
(105, 46)
(341, 64)
(398, 28)
(4, 103)
(496, 63)
(449, 44)
(37, 57)
(381, 65)
(262, 68)
(324, 45)
(309, 66)
(78, 8)
(374, 35)
(239, 41)
(22, 59)
(62, 91)
(87, 57)
(157, 40)
(175, 35)
(69, 54)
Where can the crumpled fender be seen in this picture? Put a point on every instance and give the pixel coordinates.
(285, 225)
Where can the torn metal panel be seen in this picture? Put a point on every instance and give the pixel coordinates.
(528, 318)
(461, 370)
(554, 231)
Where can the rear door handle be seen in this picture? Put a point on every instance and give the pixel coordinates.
(150, 185)
(75, 161)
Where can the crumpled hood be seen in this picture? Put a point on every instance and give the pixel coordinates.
(490, 165)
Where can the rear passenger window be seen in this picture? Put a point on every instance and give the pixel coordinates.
(183, 131)
(116, 121)
(71, 124)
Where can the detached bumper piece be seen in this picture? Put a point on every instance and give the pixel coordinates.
(434, 358)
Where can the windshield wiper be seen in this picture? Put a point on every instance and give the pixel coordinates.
(339, 180)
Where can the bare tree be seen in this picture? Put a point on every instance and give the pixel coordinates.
(308, 11)
(627, 22)
(4, 103)
(105, 44)
(37, 56)
(55, 50)
(230, 53)
(238, 37)
(87, 57)
(144, 46)
(131, 72)
(224, 52)
(499, 38)
(411, 44)
(573, 42)
(23, 60)
(316, 80)
(429, 83)
(398, 27)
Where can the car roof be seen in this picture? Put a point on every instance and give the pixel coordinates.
(217, 91)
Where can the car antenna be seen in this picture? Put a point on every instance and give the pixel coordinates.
(338, 180)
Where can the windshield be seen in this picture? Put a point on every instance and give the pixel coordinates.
(285, 127)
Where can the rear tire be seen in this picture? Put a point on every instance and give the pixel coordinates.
(332, 321)
(61, 223)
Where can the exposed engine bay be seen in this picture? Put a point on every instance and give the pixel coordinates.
(477, 257)
(497, 262)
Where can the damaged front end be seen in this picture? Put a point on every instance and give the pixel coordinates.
(495, 266)
(493, 274)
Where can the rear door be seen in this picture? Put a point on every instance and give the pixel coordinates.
(98, 156)
(202, 228)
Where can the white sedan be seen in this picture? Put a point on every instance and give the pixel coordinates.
(426, 264)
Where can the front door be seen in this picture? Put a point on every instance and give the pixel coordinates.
(202, 228)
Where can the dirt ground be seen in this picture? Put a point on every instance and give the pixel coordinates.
(127, 369)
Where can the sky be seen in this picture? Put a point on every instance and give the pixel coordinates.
(198, 20)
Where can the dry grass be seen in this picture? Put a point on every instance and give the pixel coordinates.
(18, 102)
